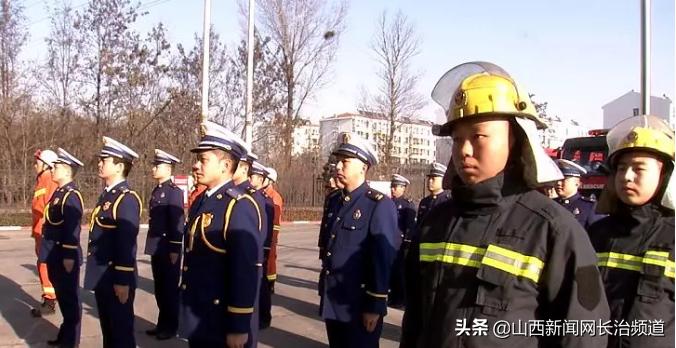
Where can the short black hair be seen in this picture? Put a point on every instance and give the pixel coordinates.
(222, 154)
(127, 165)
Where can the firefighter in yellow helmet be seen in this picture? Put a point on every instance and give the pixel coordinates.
(635, 243)
(499, 251)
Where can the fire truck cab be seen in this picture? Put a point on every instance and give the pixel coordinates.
(590, 152)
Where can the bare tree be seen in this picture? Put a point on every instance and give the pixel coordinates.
(107, 36)
(307, 34)
(63, 59)
(268, 97)
(395, 44)
(13, 98)
(187, 76)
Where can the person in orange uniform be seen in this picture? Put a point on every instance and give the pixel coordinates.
(276, 221)
(196, 190)
(44, 188)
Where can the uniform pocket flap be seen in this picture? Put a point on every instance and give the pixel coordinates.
(493, 276)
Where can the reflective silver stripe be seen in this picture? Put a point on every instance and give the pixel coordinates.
(637, 263)
(460, 254)
(494, 256)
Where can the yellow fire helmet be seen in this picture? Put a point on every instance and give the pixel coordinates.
(646, 132)
(640, 133)
(481, 89)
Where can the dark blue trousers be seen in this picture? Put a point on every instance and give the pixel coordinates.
(397, 295)
(116, 319)
(265, 303)
(352, 334)
(165, 277)
(66, 287)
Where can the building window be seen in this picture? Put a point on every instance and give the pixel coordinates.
(635, 111)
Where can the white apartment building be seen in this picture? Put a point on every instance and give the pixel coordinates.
(413, 139)
(305, 139)
(629, 104)
(558, 130)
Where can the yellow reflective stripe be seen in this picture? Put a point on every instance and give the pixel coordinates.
(240, 310)
(512, 262)
(276, 227)
(670, 269)
(68, 246)
(636, 263)
(622, 261)
(376, 294)
(39, 192)
(125, 269)
(459, 254)
(175, 242)
(494, 256)
(48, 290)
(272, 277)
(658, 258)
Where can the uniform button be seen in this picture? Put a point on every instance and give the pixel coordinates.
(58, 243)
(110, 263)
(164, 234)
(89, 254)
(217, 301)
(333, 236)
(328, 253)
(327, 272)
(185, 268)
(183, 286)
(347, 198)
(338, 218)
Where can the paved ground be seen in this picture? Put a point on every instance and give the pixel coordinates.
(295, 322)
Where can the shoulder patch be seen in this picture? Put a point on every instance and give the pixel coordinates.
(588, 199)
(374, 195)
(234, 192)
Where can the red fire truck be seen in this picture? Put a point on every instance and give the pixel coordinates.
(590, 152)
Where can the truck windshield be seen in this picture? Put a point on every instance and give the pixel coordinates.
(587, 152)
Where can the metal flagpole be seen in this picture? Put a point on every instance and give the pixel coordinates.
(248, 129)
(205, 60)
(645, 56)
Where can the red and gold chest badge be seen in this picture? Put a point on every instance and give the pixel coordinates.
(106, 206)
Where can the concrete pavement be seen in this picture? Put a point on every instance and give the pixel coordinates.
(295, 322)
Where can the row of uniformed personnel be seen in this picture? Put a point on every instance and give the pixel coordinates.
(499, 251)
(223, 245)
